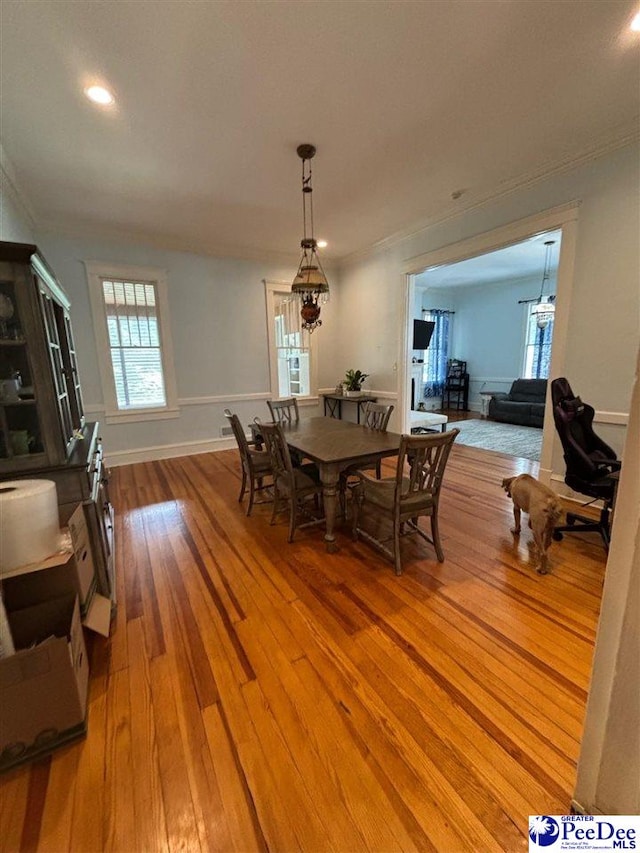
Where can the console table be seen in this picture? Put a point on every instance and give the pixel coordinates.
(333, 404)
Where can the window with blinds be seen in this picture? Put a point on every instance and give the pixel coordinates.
(133, 327)
(292, 347)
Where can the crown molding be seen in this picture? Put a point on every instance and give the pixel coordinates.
(622, 136)
(11, 186)
(618, 138)
(484, 242)
(115, 234)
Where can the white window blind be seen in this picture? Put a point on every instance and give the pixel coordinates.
(134, 339)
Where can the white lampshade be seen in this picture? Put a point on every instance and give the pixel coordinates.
(543, 312)
(310, 277)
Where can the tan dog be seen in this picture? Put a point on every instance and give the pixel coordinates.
(542, 506)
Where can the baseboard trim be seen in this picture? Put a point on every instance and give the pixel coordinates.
(618, 418)
(576, 808)
(560, 487)
(167, 451)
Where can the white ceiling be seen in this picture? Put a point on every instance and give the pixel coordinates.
(407, 101)
(521, 260)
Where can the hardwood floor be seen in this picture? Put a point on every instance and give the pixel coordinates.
(256, 695)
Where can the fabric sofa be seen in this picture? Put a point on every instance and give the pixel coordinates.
(524, 404)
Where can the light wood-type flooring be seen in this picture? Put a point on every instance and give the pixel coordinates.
(257, 695)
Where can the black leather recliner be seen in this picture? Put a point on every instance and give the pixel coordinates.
(589, 461)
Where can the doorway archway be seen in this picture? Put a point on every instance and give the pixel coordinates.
(562, 218)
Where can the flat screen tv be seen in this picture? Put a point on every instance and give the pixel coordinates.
(422, 331)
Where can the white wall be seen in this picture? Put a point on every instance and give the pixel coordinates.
(604, 326)
(15, 221)
(218, 324)
(365, 329)
(609, 765)
(488, 330)
(442, 299)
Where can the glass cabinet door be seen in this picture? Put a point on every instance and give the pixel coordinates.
(21, 439)
(49, 308)
(70, 365)
(40, 400)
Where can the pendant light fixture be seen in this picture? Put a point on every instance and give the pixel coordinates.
(310, 283)
(544, 308)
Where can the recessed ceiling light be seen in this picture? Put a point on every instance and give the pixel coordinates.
(99, 95)
(635, 24)
(322, 244)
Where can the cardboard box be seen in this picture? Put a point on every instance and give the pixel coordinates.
(44, 684)
(65, 573)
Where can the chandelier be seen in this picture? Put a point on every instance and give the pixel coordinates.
(310, 283)
(544, 308)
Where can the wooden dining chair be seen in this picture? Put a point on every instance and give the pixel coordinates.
(376, 416)
(256, 464)
(413, 492)
(292, 485)
(284, 411)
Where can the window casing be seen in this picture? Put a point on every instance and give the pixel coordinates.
(130, 314)
(291, 348)
(537, 347)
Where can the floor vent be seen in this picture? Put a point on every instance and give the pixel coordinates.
(226, 431)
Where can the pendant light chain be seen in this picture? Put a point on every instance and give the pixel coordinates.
(304, 204)
(546, 272)
(310, 283)
(311, 201)
(307, 190)
(544, 308)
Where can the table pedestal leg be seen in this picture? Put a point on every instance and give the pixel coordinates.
(330, 475)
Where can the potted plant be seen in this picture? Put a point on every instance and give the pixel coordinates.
(353, 382)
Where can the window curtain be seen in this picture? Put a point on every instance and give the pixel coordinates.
(437, 355)
(541, 359)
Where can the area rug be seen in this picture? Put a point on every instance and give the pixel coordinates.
(503, 438)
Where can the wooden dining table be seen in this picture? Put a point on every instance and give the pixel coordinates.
(334, 446)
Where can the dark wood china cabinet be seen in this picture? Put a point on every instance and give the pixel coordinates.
(43, 432)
